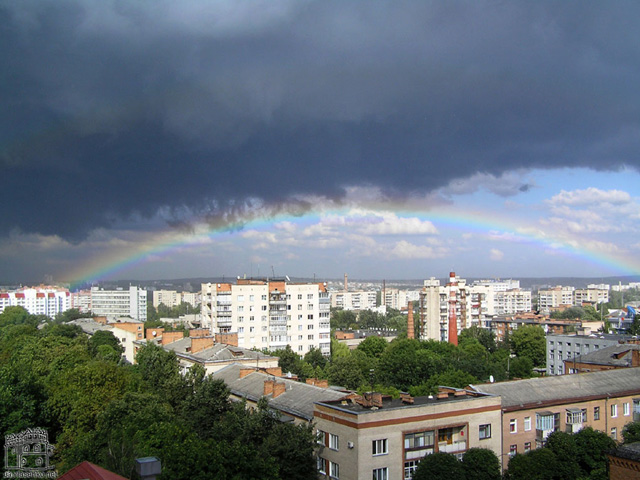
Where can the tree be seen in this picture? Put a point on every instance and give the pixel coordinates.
(373, 346)
(563, 446)
(486, 337)
(103, 337)
(593, 447)
(315, 358)
(439, 465)
(634, 328)
(540, 464)
(631, 432)
(346, 371)
(288, 360)
(529, 341)
(481, 464)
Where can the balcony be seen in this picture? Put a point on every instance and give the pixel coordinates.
(454, 447)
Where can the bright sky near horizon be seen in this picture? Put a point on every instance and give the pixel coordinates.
(386, 140)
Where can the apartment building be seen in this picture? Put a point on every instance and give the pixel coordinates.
(378, 437)
(81, 300)
(41, 300)
(592, 295)
(362, 300)
(398, 299)
(173, 298)
(555, 297)
(120, 303)
(568, 347)
(534, 408)
(510, 302)
(270, 314)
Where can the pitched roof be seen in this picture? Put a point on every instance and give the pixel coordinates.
(89, 471)
(560, 389)
(298, 398)
(615, 355)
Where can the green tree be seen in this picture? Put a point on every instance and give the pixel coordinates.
(373, 346)
(634, 328)
(288, 360)
(315, 358)
(631, 432)
(103, 337)
(593, 447)
(563, 445)
(529, 341)
(346, 371)
(485, 336)
(481, 464)
(439, 465)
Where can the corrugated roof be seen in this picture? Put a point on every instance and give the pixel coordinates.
(561, 388)
(615, 355)
(298, 398)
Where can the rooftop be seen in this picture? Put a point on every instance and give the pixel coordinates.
(616, 355)
(217, 352)
(631, 451)
(563, 388)
(298, 398)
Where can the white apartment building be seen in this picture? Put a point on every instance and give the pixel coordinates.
(81, 300)
(37, 301)
(509, 302)
(398, 299)
(555, 297)
(499, 285)
(270, 314)
(591, 295)
(173, 298)
(120, 303)
(362, 300)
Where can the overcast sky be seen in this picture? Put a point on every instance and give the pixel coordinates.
(386, 139)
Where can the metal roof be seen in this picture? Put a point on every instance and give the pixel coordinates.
(562, 388)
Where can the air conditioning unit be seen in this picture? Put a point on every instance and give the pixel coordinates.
(350, 444)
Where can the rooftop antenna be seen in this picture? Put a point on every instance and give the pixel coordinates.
(273, 273)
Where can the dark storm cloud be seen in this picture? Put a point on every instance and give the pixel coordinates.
(113, 108)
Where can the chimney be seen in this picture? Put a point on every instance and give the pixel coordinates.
(275, 371)
(410, 326)
(245, 371)
(345, 283)
(268, 387)
(635, 358)
(278, 388)
(199, 344)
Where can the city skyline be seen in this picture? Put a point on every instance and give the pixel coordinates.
(401, 140)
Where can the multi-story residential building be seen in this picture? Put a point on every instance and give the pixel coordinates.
(555, 297)
(120, 303)
(504, 325)
(568, 347)
(456, 303)
(362, 300)
(592, 295)
(534, 408)
(378, 437)
(81, 300)
(42, 300)
(270, 314)
(510, 302)
(173, 298)
(398, 299)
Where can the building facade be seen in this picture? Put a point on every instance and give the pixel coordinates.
(173, 298)
(362, 300)
(120, 303)
(534, 408)
(382, 438)
(270, 314)
(47, 301)
(562, 348)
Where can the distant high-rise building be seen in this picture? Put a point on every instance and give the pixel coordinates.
(41, 300)
(120, 303)
(270, 314)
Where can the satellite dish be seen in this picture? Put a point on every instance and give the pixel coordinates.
(491, 379)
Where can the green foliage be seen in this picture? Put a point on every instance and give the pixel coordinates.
(342, 319)
(103, 337)
(631, 432)
(593, 447)
(71, 314)
(17, 316)
(315, 358)
(540, 464)
(288, 360)
(373, 346)
(481, 464)
(634, 328)
(338, 349)
(529, 341)
(449, 378)
(439, 465)
(486, 337)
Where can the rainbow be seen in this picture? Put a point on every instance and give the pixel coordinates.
(473, 222)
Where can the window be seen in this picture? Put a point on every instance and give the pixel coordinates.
(322, 465)
(299, 307)
(513, 449)
(310, 326)
(625, 409)
(381, 473)
(596, 413)
(334, 470)
(527, 447)
(410, 468)
(614, 411)
(310, 317)
(513, 425)
(310, 296)
(321, 438)
(379, 447)
(252, 318)
(241, 298)
(240, 329)
(300, 348)
(299, 296)
(614, 433)
(251, 329)
(309, 337)
(264, 297)
(484, 431)
(420, 440)
(240, 308)
(527, 424)
(240, 319)
(264, 308)
(333, 442)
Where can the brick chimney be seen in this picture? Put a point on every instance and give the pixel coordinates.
(199, 344)
(227, 338)
(410, 326)
(635, 358)
(268, 387)
(275, 371)
(279, 388)
(246, 371)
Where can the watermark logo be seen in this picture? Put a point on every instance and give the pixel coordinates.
(27, 454)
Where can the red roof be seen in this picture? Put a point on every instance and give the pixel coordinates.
(40, 295)
(4, 295)
(89, 471)
(19, 295)
(51, 294)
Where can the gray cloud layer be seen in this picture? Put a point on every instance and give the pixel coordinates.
(113, 107)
